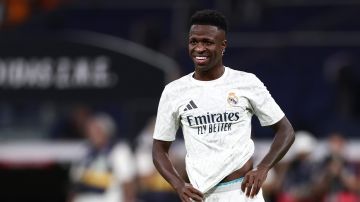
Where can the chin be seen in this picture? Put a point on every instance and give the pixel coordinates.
(202, 68)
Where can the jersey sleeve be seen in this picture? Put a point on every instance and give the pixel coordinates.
(263, 104)
(167, 119)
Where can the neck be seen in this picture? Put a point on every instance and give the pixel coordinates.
(208, 75)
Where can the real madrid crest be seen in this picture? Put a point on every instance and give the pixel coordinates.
(232, 99)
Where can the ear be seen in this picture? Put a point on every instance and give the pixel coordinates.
(224, 44)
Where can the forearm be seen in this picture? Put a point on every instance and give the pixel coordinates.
(284, 137)
(166, 168)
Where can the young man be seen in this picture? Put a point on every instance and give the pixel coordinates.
(214, 106)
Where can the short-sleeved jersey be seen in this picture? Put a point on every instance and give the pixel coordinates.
(215, 117)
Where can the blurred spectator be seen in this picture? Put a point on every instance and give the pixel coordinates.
(72, 125)
(153, 187)
(336, 176)
(296, 177)
(106, 173)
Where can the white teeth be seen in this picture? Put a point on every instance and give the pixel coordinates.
(200, 58)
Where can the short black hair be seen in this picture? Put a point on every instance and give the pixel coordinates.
(209, 17)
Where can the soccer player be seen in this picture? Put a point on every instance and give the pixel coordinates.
(214, 106)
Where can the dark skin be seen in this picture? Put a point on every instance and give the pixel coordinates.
(209, 42)
(284, 137)
(162, 162)
(206, 46)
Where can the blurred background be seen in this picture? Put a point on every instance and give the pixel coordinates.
(62, 62)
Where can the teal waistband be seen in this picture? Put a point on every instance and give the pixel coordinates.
(238, 180)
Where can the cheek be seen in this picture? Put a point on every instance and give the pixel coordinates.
(190, 49)
(216, 53)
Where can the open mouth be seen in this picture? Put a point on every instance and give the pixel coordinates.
(201, 59)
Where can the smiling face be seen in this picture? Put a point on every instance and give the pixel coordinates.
(206, 44)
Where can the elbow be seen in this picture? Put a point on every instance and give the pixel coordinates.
(289, 131)
(286, 130)
(291, 135)
(155, 161)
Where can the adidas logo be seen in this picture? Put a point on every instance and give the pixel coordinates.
(190, 106)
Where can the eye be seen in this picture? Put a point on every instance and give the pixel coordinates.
(208, 43)
(192, 42)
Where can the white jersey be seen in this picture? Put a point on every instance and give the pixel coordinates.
(215, 117)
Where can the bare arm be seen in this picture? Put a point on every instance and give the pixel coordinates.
(163, 164)
(284, 137)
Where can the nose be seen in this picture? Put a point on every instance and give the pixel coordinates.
(200, 47)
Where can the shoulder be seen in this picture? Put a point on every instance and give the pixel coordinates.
(184, 80)
(178, 85)
(243, 76)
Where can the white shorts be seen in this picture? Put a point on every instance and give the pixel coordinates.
(231, 192)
